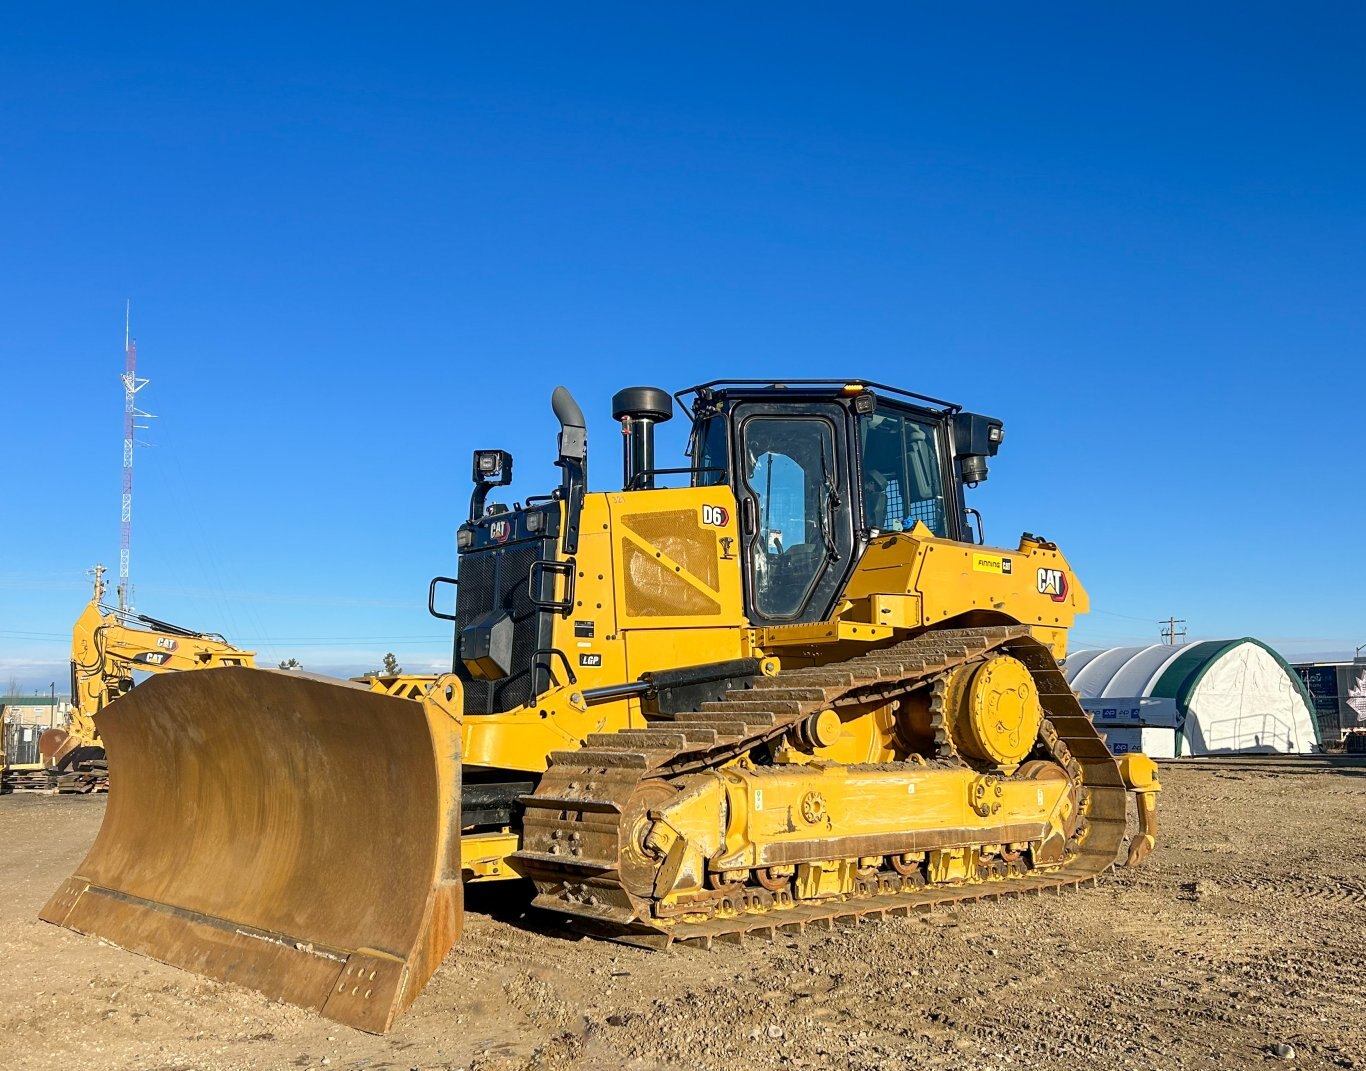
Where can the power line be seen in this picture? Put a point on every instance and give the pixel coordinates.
(1126, 617)
(1169, 632)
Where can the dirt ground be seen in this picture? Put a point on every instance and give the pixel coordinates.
(1246, 930)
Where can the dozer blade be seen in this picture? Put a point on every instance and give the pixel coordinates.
(293, 834)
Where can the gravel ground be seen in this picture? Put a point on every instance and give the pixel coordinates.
(1242, 938)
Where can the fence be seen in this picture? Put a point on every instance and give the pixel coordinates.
(1339, 693)
(23, 719)
(21, 743)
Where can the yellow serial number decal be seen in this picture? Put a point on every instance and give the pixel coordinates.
(991, 563)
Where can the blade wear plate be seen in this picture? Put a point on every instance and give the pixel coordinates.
(293, 834)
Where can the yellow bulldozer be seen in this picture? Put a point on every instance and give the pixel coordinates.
(108, 646)
(797, 688)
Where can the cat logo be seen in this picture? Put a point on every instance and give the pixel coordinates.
(499, 531)
(716, 516)
(150, 658)
(166, 643)
(1053, 583)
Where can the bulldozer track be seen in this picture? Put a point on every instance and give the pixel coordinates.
(575, 825)
(1334, 892)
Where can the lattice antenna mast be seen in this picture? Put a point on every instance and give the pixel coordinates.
(131, 414)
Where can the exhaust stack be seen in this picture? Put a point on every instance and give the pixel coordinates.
(573, 430)
(639, 409)
(572, 463)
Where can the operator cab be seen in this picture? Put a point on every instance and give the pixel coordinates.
(821, 468)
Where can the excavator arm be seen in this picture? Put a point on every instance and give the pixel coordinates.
(108, 646)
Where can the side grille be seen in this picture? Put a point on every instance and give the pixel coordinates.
(496, 579)
(655, 590)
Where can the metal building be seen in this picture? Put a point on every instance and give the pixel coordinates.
(1338, 690)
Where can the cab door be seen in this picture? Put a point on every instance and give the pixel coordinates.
(796, 520)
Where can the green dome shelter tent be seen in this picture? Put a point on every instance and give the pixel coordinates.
(1210, 697)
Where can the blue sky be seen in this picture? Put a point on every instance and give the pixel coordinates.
(360, 242)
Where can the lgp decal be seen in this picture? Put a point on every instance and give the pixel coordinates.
(716, 516)
(1053, 583)
(590, 661)
(991, 563)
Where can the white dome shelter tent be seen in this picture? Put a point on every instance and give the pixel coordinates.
(1205, 698)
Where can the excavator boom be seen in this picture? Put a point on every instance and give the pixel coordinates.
(108, 646)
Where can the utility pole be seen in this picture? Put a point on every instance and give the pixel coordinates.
(1169, 632)
(131, 385)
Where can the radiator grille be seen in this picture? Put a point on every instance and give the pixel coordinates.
(496, 579)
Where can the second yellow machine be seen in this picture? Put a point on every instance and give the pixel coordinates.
(796, 689)
(108, 646)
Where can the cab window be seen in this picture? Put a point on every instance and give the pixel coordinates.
(902, 474)
(710, 460)
(789, 472)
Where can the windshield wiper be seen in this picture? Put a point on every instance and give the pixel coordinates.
(832, 501)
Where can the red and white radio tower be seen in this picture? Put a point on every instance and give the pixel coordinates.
(131, 386)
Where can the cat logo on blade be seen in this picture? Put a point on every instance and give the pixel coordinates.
(991, 563)
(716, 516)
(1053, 583)
(590, 661)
